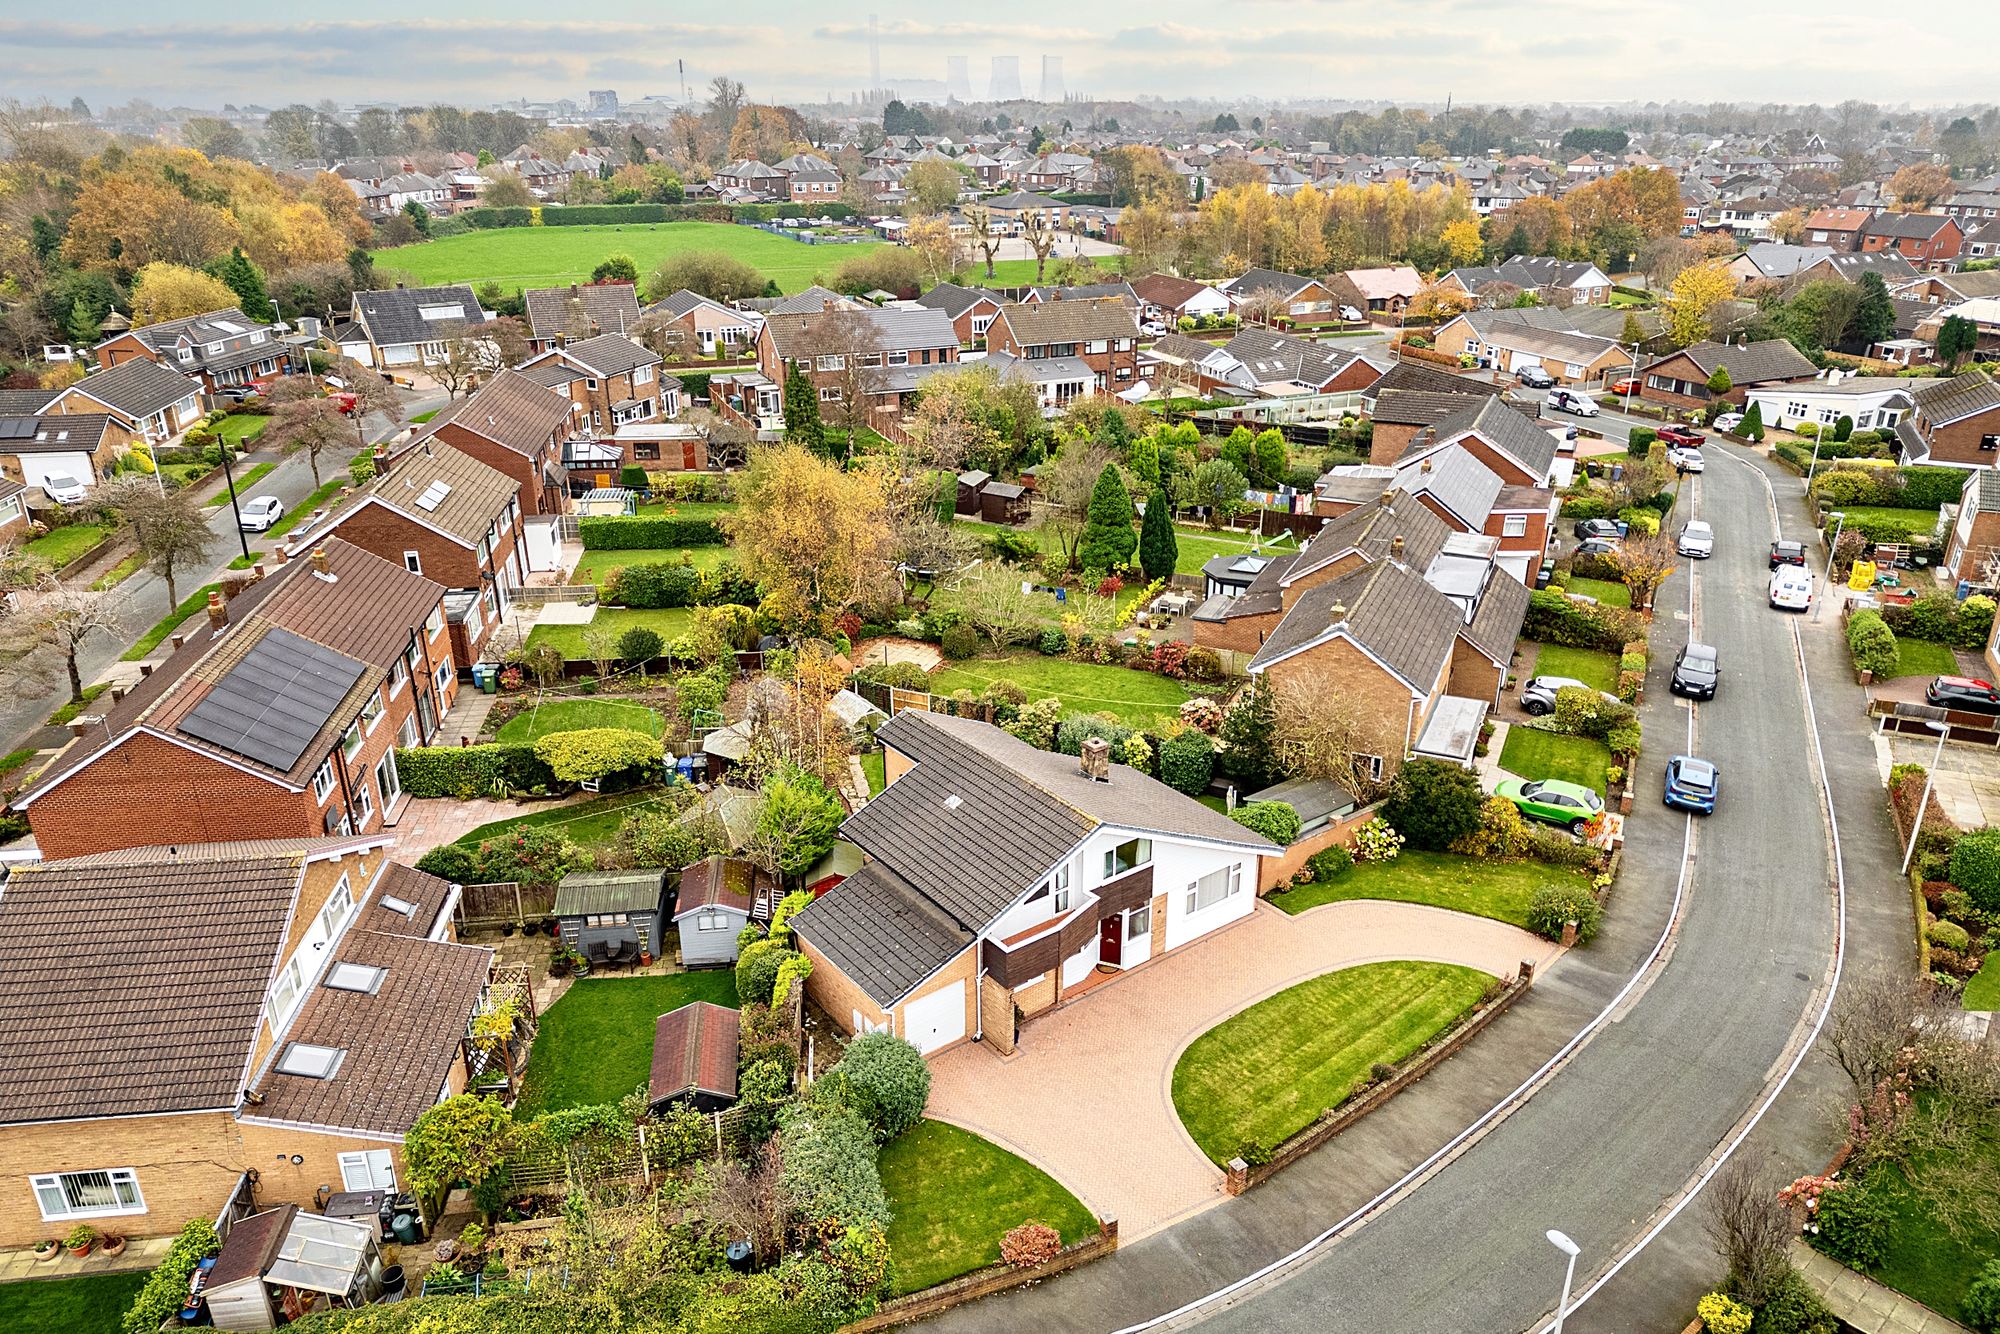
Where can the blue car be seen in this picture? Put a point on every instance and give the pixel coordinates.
(1691, 784)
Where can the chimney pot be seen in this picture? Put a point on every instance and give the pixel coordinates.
(78, 727)
(1426, 466)
(1396, 546)
(1336, 613)
(145, 669)
(218, 615)
(1387, 496)
(117, 693)
(178, 640)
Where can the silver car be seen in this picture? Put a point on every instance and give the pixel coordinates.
(1538, 696)
(1697, 540)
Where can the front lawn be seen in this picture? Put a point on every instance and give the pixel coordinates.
(953, 1195)
(569, 715)
(1530, 752)
(1270, 1071)
(669, 623)
(1135, 697)
(1596, 670)
(1920, 657)
(244, 481)
(1482, 887)
(1609, 592)
(60, 546)
(594, 823)
(595, 1044)
(86, 1304)
(241, 429)
(1982, 989)
(596, 567)
(1921, 523)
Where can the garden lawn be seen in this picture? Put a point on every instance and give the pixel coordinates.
(86, 1304)
(1530, 752)
(569, 715)
(1270, 1071)
(1480, 886)
(690, 509)
(596, 1043)
(669, 623)
(1920, 657)
(241, 429)
(1607, 591)
(1924, 1260)
(595, 567)
(60, 546)
(1136, 697)
(874, 767)
(593, 824)
(953, 1195)
(423, 417)
(1596, 670)
(1982, 989)
(1920, 522)
(244, 481)
(1194, 550)
(552, 256)
(152, 639)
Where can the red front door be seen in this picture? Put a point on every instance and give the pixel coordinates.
(1111, 939)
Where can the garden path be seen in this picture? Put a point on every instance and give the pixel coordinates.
(1087, 1096)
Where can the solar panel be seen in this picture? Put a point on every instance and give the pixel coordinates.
(269, 706)
(16, 428)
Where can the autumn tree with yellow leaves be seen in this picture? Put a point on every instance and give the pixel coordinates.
(1690, 306)
(814, 537)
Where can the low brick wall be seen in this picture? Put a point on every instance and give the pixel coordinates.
(1240, 1176)
(1274, 871)
(984, 1283)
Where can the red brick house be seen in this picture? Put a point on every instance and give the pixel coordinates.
(610, 382)
(514, 425)
(970, 310)
(277, 716)
(582, 310)
(891, 350)
(1953, 422)
(1930, 241)
(1680, 379)
(1837, 227)
(1101, 334)
(441, 513)
(219, 348)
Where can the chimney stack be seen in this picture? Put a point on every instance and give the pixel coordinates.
(1096, 759)
(1387, 497)
(1336, 614)
(1396, 547)
(218, 615)
(321, 565)
(1426, 467)
(117, 693)
(828, 304)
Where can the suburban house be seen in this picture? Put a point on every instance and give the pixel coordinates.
(1871, 402)
(1510, 341)
(609, 380)
(695, 325)
(581, 310)
(1954, 422)
(35, 449)
(13, 511)
(1774, 261)
(1558, 282)
(1296, 297)
(1010, 212)
(151, 402)
(218, 348)
(1101, 334)
(1272, 363)
(308, 1003)
(277, 716)
(1680, 379)
(1891, 267)
(1204, 368)
(1469, 496)
(1386, 291)
(892, 350)
(1168, 299)
(1972, 550)
(1929, 241)
(970, 310)
(441, 513)
(1839, 228)
(1001, 879)
(514, 425)
(406, 328)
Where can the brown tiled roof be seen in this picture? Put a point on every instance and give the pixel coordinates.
(251, 1246)
(1165, 290)
(1414, 375)
(1771, 359)
(614, 307)
(400, 1042)
(130, 987)
(1068, 321)
(694, 1051)
(427, 892)
(1387, 610)
(717, 882)
(510, 410)
(475, 494)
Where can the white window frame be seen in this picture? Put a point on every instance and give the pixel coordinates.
(322, 783)
(1230, 885)
(365, 795)
(351, 740)
(114, 1178)
(413, 561)
(388, 780)
(1513, 525)
(444, 675)
(712, 921)
(1059, 886)
(835, 362)
(829, 393)
(1373, 764)
(434, 623)
(1139, 922)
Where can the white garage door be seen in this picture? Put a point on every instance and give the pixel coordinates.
(934, 1020)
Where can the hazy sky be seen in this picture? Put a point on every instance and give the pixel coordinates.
(204, 52)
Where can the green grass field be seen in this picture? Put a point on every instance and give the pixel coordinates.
(1920, 657)
(1596, 670)
(670, 623)
(551, 256)
(1530, 752)
(60, 546)
(1136, 697)
(1919, 522)
(596, 1042)
(569, 715)
(594, 824)
(1982, 989)
(594, 567)
(1484, 888)
(241, 429)
(1604, 590)
(1270, 1071)
(152, 639)
(954, 1194)
(86, 1304)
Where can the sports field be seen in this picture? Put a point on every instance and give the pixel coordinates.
(551, 256)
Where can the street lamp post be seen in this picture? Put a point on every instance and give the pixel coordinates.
(229, 476)
(1813, 467)
(1562, 1243)
(1826, 580)
(1930, 776)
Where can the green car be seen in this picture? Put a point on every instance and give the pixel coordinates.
(1568, 804)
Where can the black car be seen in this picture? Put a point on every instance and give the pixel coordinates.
(1787, 553)
(1695, 672)
(1967, 694)
(1534, 377)
(1611, 529)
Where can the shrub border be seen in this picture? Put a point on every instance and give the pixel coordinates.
(985, 1282)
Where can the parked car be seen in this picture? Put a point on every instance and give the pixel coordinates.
(1791, 588)
(1787, 553)
(1628, 385)
(1692, 785)
(63, 488)
(1352, 315)
(344, 403)
(1573, 401)
(1606, 528)
(1686, 460)
(238, 393)
(1538, 696)
(1728, 422)
(1535, 377)
(1153, 329)
(1697, 539)
(1569, 804)
(1680, 437)
(1597, 546)
(1967, 694)
(260, 512)
(1695, 672)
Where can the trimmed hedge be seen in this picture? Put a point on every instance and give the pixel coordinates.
(610, 532)
(1871, 642)
(1554, 618)
(654, 585)
(490, 218)
(465, 772)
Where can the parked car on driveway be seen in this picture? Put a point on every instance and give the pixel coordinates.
(260, 512)
(1628, 385)
(1697, 540)
(1573, 401)
(238, 393)
(1791, 588)
(1686, 460)
(1609, 528)
(1728, 422)
(1684, 437)
(1692, 785)
(1695, 672)
(1538, 696)
(1787, 553)
(63, 488)
(1352, 314)
(1535, 377)
(1967, 694)
(1597, 546)
(1153, 329)
(1569, 804)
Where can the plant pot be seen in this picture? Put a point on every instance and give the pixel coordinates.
(113, 1246)
(506, 928)
(79, 1251)
(47, 1251)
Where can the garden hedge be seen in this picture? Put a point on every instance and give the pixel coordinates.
(1554, 618)
(654, 584)
(489, 218)
(601, 215)
(605, 532)
(465, 772)
(1871, 642)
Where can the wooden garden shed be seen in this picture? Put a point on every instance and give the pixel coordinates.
(1004, 502)
(611, 907)
(694, 1058)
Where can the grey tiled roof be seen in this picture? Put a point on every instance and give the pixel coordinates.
(1906, 226)
(1457, 480)
(1772, 359)
(1943, 401)
(395, 315)
(1415, 376)
(466, 497)
(1068, 321)
(1372, 530)
(1497, 624)
(612, 307)
(1386, 609)
(137, 388)
(880, 931)
(1253, 281)
(1500, 426)
(885, 330)
(952, 299)
(610, 354)
(1273, 356)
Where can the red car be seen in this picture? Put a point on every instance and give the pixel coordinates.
(1680, 437)
(1620, 388)
(344, 402)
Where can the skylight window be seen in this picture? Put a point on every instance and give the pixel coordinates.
(310, 1061)
(360, 977)
(441, 312)
(433, 495)
(396, 905)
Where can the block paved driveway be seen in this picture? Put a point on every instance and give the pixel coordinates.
(1088, 1095)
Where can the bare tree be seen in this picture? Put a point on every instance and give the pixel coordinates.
(170, 529)
(861, 377)
(746, 1200)
(1041, 233)
(372, 393)
(1875, 1019)
(1326, 733)
(466, 357)
(55, 625)
(508, 338)
(25, 328)
(309, 424)
(985, 240)
(659, 334)
(1750, 1229)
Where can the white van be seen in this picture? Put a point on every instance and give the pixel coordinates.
(1572, 401)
